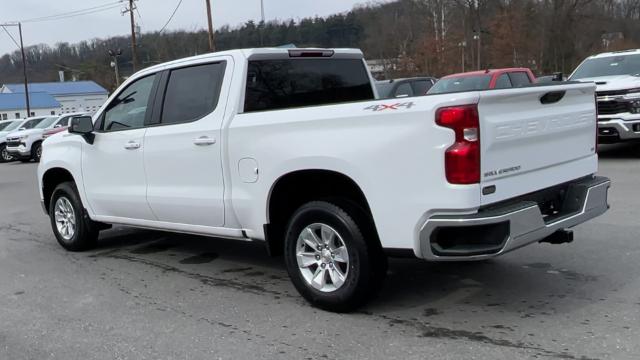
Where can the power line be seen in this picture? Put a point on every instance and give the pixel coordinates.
(172, 15)
(11, 36)
(75, 13)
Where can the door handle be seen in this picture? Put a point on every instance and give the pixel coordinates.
(204, 141)
(132, 145)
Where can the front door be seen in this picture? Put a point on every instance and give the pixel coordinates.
(183, 157)
(113, 167)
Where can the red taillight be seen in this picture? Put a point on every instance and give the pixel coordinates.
(462, 159)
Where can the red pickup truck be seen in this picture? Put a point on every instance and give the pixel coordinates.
(484, 80)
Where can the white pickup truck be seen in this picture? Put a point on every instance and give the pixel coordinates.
(291, 148)
(617, 77)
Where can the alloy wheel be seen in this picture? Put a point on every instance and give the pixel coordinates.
(65, 218)
(323, 258)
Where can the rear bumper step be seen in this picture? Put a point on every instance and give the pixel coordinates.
(510, 226)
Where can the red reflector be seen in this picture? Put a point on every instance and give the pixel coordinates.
(462, 159)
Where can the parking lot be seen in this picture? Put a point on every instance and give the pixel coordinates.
(152, 295)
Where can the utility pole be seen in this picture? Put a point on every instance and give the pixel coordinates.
(212, 46)
(462, 46)
(477, 37)
(115, 54)
(134, 46)
(262, 23)
(24, 72)
(24, 64)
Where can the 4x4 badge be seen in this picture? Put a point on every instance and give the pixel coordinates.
(396, 106)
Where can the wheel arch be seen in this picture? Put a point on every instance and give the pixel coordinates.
(51, 179)
(295, 188)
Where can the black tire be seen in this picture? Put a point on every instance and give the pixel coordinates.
(367, 265)
(4, 155)
(85, 235)
(36, 151)
(25, 160)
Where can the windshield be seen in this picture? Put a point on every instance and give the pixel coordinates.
(46, 123)
(463, 83)
(4, 125)
(608, 66)
(14, 125)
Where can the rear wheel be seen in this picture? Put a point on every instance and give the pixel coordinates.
(4, 154)
(69, 220)
(333, 260)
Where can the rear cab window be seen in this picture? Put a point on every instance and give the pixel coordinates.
(299, 82)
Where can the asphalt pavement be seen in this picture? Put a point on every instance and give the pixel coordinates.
(152, 295)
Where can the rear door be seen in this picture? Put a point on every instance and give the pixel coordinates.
(535, 137)
(183, 149)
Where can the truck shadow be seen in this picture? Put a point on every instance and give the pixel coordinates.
(507, 285)
(619, 151)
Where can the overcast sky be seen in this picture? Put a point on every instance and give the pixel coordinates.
(154, 14)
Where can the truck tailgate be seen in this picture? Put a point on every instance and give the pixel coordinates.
(535, 137)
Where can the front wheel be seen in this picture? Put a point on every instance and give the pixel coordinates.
(71, 224)
(4, 154)
(331, 256)
(37, 152)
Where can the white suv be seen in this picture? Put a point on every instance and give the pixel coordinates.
(7, 127)
(26, 144)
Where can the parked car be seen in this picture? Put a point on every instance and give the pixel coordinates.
(484, 80)
(7, 127)
(288, 147)
(26, 144)
(398, 88)
(11, 140)
(617, 78)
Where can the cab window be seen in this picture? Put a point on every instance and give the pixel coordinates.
(404, 90)
(503, 82)
(520, 79)
(129, 109)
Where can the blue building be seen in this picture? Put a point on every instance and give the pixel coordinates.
(13, 105)
(72, 96)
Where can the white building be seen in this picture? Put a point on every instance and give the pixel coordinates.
(14, 106)
(73, 96)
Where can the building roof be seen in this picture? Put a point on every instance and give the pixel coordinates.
(61, 88)
(37, 100)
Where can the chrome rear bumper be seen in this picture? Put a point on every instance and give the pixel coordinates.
(517, 224)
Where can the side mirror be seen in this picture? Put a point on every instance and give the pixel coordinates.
(22, 128)
(57, 126)
(558, 76)
(82, 125)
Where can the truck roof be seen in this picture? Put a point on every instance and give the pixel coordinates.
(615, 53)
(247, 53)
